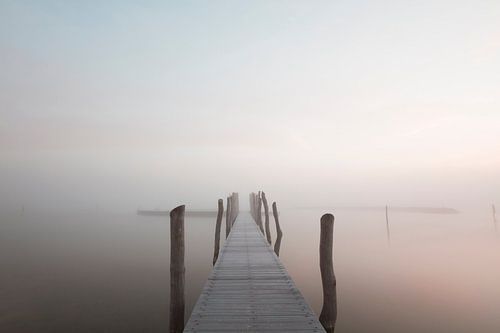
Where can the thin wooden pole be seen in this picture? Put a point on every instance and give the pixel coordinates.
(220, 211)
(494, 210)
(177, 270)
(259, 214)
(279, 233)
(231, 217)
(229, 212)
(328, 315)
(257, 197)
(256, 207)
(387, 224)
(266, 216)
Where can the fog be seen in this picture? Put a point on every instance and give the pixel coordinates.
(328, 106)
(118, 106)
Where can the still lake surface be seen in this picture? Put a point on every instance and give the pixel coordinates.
(102, 272)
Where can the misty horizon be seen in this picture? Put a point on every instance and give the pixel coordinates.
(134, 105)
(249, 166)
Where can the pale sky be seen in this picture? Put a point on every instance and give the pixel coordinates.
(156, 103)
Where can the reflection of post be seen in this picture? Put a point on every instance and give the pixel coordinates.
(494, 216)
(177, 270)
(259, 214)
(279, 234)
(229, 213)
(387, 224)
(328, 315)
(266, 215)
(220, 211)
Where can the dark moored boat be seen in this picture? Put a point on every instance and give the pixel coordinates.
(190, 213)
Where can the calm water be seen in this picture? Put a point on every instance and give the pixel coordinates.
(101, 272)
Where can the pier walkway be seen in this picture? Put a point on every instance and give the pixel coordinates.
(249, 289)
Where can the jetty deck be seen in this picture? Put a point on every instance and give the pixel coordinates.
(249, 289)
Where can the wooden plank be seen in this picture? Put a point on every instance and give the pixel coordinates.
(249, 289)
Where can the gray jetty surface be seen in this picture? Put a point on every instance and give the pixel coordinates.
(249, 289)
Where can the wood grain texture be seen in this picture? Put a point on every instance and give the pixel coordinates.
(266, 215)
(279, 233)
(177, 270)
(328, 316)
(218, 222)
(249, 289)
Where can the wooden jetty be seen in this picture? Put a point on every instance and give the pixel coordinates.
(249, 289)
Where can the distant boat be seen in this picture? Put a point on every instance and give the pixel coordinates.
(190, 213)
(421, 210)
(146, 212)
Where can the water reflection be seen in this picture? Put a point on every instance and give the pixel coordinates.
(436, 265)
(88, 272)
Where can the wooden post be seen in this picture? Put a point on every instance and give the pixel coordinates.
(266, 216)
(494, 210)
(328, 315)
(237, 205)
(387, 225)
(229, 212)
(256, 208)
(259, 214)
(279, 233)
(228, 224)
(177, 270)
(220, 211)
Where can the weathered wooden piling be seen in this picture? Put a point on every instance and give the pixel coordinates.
(177, 270)
(494, 211)
(279, 233)
(256, 204)
(231, 216)
(229, 213)
(259, 213)
(220, 211)
(266, 216)
(387, 225)
(328, 315)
